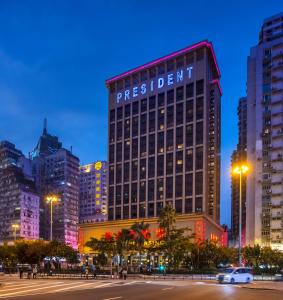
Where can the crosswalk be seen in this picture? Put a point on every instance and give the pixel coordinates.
(16, 288)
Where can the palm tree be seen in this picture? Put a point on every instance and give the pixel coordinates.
(141, 235)
(167, 219)
(123, 238)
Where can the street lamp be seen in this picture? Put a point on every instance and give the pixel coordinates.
(240, 170)
(15, 227)
(51, 199)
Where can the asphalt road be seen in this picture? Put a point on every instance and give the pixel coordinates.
(115, 290)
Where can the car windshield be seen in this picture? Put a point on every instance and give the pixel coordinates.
(228, 271)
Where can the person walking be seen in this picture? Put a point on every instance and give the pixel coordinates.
(34, 271)
(21, 271)
(124, 273)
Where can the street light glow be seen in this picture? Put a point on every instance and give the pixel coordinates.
(242, 169)
(52, 198)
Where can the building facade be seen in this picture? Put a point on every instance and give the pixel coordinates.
(57, 172)
(19, 201)
(93, 192)
(239, 156)
(264, 221)
(164, 136)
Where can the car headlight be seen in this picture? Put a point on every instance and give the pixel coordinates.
(227, 276)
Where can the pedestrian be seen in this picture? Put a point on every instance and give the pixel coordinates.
(29, 271)
(21, 271)
(124, 272)
(34, 271)
(86, 272)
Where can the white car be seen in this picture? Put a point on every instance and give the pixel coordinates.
(233, 275)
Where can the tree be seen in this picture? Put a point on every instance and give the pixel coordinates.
(123, 239)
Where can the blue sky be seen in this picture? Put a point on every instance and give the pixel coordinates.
(56, 55)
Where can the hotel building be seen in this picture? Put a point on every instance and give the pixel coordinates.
(164, 144)
(93, 192)
(264, 221)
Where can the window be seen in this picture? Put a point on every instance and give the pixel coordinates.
(142, 168)
(135, 108)
(135, 149)
(134, 211)
(160, 189)
(118, 194)
(190, 58)
(188, 206)
(190, 90)
(134, 193)
(111, 153)
(179, 114)
(198, 204)
(200, 54)
(169, 187)
(189, 111)
(161, 99)
(110, 213)
(170, 116)
(189, 160)
(179, 137)
(189, 184)
(198, 183)
(152, 102)
(152, 121)
(170, 96)
(119, 131)
(150, 210)
(161, 119)
(160, 142)
(159, 208)
(199, 108)
(143, 146)
(179, 186)
(135, 126)
(169, 163)
(127, 146)
(180, 93)
(142, 211)
(112, 133)
(199, 87)
(180, 62)
(152, 73)
(142, 191)
(143, 123)
(134, 170)
(179, 161)
(144, 75)
(119, 152)
(150, 193)
(170, 65)
(161, 69)
(199, 133)
(126, 212)
(178, 206)
(160, 165)
(111, 195)
(189, 135)
(127, 110)
(151, 167)
(169, 142)
(119, 113)
(111, 175)
(126, 171)
(199, 158)
(127, 128)
(143, 105)
(118, 173)
(112, 115)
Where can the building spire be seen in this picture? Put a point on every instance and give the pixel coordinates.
(45, 126)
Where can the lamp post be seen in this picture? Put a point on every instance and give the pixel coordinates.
(51, 199)
(240, 170)
(15, 227)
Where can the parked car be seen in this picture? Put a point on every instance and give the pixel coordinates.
(235, 275)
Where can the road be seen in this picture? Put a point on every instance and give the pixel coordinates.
(42, 289)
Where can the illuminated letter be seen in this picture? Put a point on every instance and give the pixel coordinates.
(180, 76)
(127, 94)
(151, 85)
(160, 82)
(119, 96)
(143, 88)
(135, 91)
(189, 69)
(170, 79)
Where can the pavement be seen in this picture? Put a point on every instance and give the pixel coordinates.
(44, 289)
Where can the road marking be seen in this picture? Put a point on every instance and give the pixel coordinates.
(131, 282)
(170, 288)
(81, 285)
(112, 298)
(17, 287)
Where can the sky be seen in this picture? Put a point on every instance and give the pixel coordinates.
(56, 55)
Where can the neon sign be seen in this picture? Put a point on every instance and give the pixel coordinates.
(157, 83)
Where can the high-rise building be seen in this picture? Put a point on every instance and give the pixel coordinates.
(164, 136)
(57, 172)
(93, 192)
(264, 221)
(19, 202)
(239, 156)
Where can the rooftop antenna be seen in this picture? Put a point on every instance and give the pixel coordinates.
(72, 149)
(45, 126)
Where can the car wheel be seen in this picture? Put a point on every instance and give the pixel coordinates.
(248, 280)
(232, 280)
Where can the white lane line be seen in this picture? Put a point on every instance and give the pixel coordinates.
(170, 288)
(31, 290)
(18, 287)
(112, 298)
(128, 283)
(81, 285)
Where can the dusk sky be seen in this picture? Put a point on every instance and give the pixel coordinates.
(56, 55)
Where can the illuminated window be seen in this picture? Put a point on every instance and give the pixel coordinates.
(97, 175)
(97, 196)
(97, 189)
(97, 182)
(97, 202)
